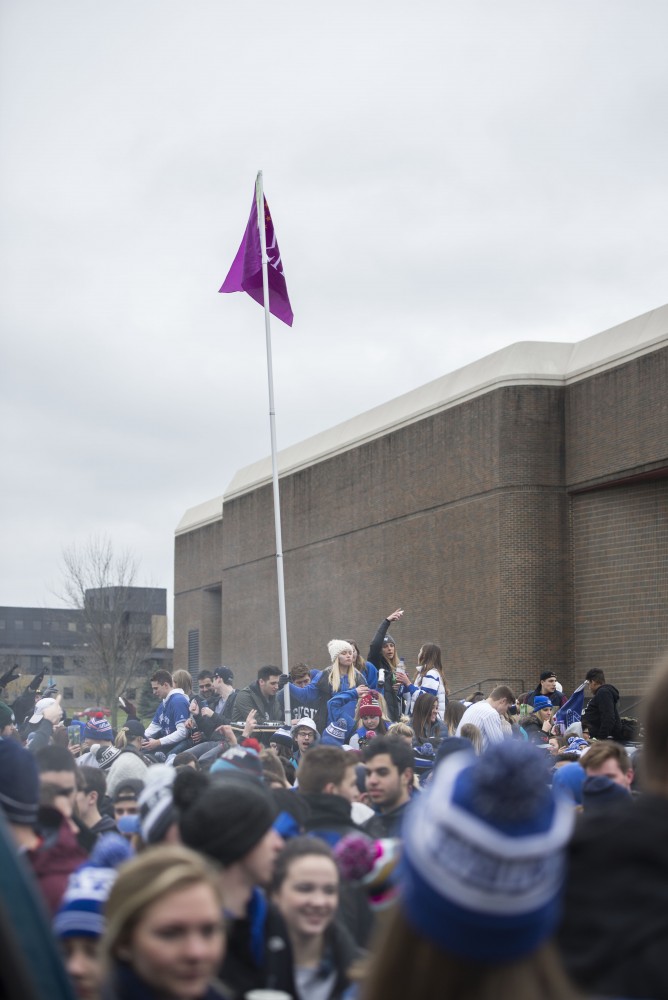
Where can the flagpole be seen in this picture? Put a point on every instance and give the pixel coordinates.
(261, 224)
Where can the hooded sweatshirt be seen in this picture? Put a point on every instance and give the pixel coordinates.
(602, 714)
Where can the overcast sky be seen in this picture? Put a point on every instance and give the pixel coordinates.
(445, 179)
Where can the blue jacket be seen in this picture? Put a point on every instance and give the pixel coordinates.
(170, 718)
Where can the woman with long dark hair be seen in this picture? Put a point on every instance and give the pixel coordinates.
(429, 678)
(383, 654)
(427, 727)
(305, 888)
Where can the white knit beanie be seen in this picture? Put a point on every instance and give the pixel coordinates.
(336, 646)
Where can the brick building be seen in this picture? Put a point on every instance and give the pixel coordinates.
(516, 508)
(58, 641)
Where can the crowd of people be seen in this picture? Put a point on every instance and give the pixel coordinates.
(346, 832)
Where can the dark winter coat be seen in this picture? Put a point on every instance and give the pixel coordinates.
(329, 819)
(125, 984)
(602, 714)
(259, 956)
(376, 657)
(268, 709)
(614, 931)
(533, 727)
(386, 824)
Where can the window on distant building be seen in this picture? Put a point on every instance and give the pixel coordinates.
(36, 626)
(18, 625)
(2, 623)
(193, 649)
(58, 664)
(68, 693)
(71, 626)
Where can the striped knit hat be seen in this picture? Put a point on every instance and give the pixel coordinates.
(97, 729)
(484, 855)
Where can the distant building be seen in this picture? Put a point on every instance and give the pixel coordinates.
(57, 640)
(516, 508)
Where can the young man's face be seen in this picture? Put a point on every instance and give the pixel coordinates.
(548, 686)
(386, 786)
(160, 690)
(305, 738)
(347, 788)
(206, 687)
(611, 769)
(86, 803)
(303, 681)
(270, 686)
(501, 706)
(65, 798)
(259, 863)
(125, 807)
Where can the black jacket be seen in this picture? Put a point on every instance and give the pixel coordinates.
(614, 930)
(386, 824)
(329, 819)
(376, 657)
(258, 956)
(602, 714)
(533, 727)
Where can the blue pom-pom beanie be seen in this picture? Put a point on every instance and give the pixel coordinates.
(483, 857)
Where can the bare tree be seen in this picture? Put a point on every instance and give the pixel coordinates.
(116, 615)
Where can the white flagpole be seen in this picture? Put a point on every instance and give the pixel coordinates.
(259, 196)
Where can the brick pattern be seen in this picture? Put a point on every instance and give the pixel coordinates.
(470, 519)
(621, 582)
(617, 422)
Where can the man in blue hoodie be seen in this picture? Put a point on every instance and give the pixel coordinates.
(169, 722)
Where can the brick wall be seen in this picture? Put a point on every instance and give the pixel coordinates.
(620, 536)
(472, 519)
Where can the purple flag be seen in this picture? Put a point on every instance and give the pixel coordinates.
(245, 275)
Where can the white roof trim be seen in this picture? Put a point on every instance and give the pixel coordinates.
(522, 363)
(197, 517)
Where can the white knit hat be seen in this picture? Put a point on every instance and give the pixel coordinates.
(336, 646)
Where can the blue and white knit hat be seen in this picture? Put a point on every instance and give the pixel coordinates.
(156, 804)
(282, 736)
(335, 733)
(81, 910)
(484, 855)
(98, 728)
